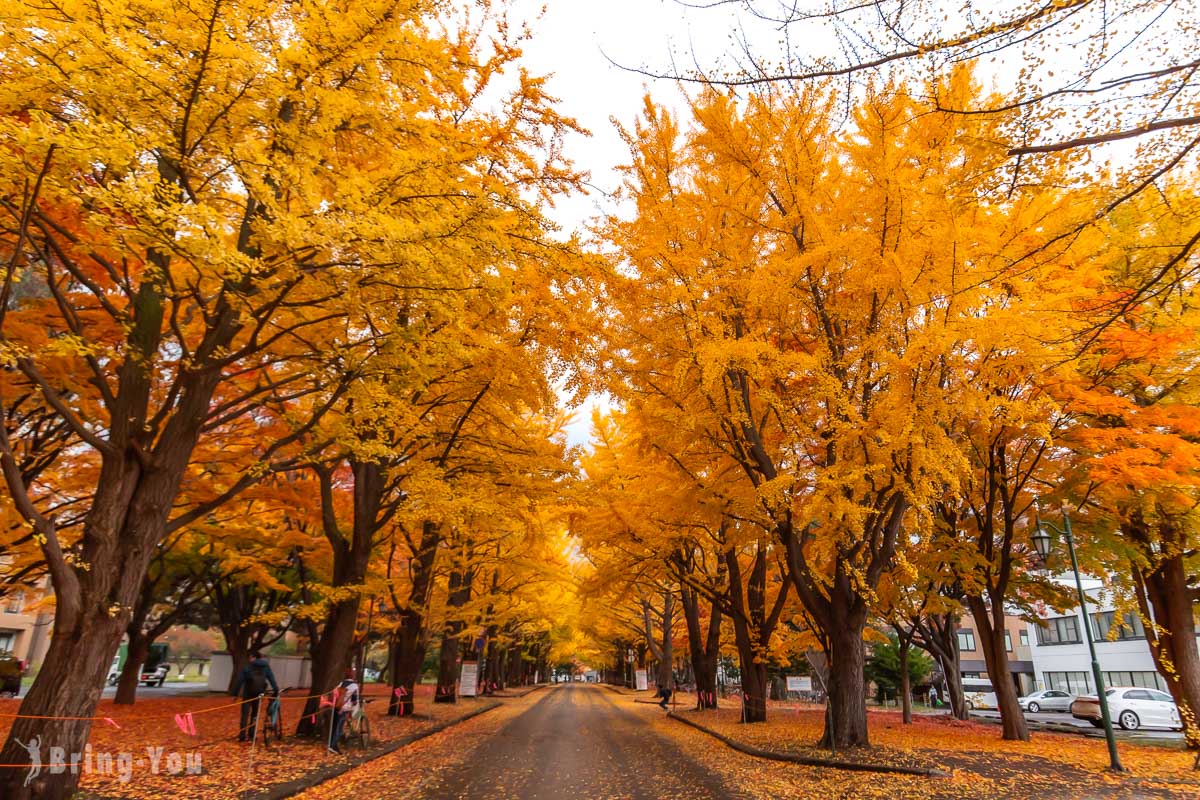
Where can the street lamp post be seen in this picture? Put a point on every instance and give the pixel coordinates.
(1042, 542)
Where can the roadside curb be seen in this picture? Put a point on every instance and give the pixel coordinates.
(806, 760)
(624, 691)
(317, 777)
(1140, 739)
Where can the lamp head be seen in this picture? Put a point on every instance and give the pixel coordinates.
(1041, 539)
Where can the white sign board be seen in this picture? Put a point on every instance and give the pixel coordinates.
(640, 680)
(468, 680)
(798, 683)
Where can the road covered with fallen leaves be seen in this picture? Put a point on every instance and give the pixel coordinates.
(582, 742)
(568, 742)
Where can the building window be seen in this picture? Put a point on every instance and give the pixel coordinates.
(16, 601)
(970, 676)
(7, 639)
(1147, 680)
(1059, 630)
(1129, 627)
(1071, 682)
(1008, 641)
(966, 640)
(1024, 638)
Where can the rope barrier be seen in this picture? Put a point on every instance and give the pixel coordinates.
(110, 720)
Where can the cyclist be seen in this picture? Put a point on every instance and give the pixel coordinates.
(253, 683)
(345, 704)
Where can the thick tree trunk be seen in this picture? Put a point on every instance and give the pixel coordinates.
(939, 637)
(755, 685)
(127, 520)
(331, 659)
(847, 697)
(667, 645)
(405, 657)
(408, 645)
(459, 595)
(989, 624)
(334, 650)
(955, 695)
(1165, 592)
(754, 672)
(905, 683)
(131, 670)
(81, 654)
(703, 647)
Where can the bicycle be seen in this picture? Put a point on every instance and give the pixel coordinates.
(358, 727)
(273, 723)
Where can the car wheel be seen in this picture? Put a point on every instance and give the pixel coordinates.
(1034, 708)
(970, 706)
(1096, 723)
(161, 681)
(1129, 721)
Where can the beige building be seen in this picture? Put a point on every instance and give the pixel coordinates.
(25, 624)
(1016, 642)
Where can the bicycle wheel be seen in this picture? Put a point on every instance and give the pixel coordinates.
(364, 731)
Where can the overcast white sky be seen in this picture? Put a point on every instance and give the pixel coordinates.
(574, 41)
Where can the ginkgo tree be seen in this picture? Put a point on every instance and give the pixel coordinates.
(204, 208)
(800, 297)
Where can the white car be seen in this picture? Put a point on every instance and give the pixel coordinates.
(984, 700)
(1046, 700)
(1131, 707)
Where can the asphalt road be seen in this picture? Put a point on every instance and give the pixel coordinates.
(575, 744)
(1066, 719)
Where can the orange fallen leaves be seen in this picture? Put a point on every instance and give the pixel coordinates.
(228, 767)
(981, 764)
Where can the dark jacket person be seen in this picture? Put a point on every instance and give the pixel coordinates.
(253, 683)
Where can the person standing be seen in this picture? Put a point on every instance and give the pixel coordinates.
(253, 682)
(345, 703)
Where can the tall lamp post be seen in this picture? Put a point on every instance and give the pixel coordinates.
(1043, 543)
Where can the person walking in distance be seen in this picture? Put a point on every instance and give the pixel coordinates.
(345, 703)
(252, 683)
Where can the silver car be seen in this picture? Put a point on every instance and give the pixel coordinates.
(1046, 700)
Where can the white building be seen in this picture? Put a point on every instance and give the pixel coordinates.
(1059, 649)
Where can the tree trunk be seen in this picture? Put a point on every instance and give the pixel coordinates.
(905, 683)
(459, 595)
(847, 685)
(989, 624)
(1165, 591)
(334, 650)
(131, 670)
(667, 646)
(82, 655)
(939, 637)
(331, 659)
(703, 648)
(408, 645)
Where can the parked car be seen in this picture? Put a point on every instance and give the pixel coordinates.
(153, 670)
(1132, 707)
(11, 670)
(156, 676)
(983, 700)
(1046, 700)
(979, 694)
